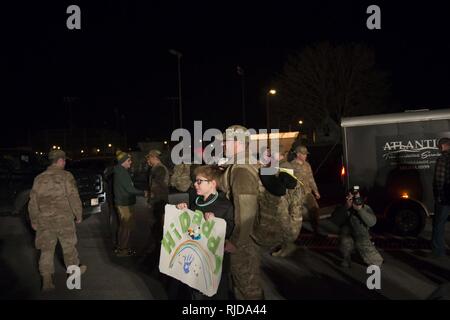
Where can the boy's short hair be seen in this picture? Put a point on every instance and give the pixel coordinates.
(210, 172)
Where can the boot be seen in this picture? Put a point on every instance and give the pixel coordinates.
(47, 282)
(286, 250)
(83, 268)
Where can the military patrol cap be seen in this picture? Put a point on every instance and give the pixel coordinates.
(122, 156)
(302, 150)
(236, 131)
(56, 154)
(153, 153)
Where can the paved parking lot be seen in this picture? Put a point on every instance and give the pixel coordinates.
(311, 272)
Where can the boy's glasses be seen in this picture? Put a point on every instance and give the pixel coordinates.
(199, 181)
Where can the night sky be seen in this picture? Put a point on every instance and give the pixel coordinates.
(119, 60)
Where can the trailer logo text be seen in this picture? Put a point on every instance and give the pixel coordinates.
(421, 149)
(408, 152)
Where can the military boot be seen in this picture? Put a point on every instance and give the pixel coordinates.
(83, 268)
(285, 250)
(47, 282)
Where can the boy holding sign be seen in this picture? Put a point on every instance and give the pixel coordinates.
(213, 204)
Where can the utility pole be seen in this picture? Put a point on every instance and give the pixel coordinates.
(180, 105)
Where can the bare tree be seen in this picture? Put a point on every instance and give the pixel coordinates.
(331, 81)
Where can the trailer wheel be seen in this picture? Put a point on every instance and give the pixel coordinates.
(407, 218)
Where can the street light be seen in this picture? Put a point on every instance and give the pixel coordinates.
(271, 92)
(180, 107)
(109, 145)
(300, 122)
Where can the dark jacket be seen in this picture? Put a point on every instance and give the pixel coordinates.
(124, 191)
(222, 208)
(441, 182)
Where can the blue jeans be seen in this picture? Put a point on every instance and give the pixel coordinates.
(438, 235)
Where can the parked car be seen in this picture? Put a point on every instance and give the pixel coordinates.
(18, 168)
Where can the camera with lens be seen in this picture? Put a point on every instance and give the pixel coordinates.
(357, 199)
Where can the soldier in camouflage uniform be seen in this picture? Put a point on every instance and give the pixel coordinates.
(274, 223)
(303, 172)
(181, 177)
(242, 185)
(158, 182)
(53, 207)
(357, 219)
(158, 192)
(291, 217)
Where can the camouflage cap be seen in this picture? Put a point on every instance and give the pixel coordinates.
(56, 154)
(302, 150)
(236, 131)
(153, 153)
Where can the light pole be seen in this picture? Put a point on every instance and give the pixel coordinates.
(180, 106)
(240, 72)
(271, 92)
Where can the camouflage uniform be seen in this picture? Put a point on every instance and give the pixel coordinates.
(242, 185)
(159, 193)
(158, 183)
(267, 230)
(304, 173)
(54, 203)
(291, 223)
(181, 177)
(291, 216)
(355, 234)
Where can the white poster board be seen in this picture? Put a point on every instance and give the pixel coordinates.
(192, 249)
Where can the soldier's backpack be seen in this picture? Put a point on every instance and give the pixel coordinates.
(267, 225)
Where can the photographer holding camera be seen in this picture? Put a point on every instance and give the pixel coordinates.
(355, 219)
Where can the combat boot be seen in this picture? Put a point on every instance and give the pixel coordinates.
(47, 282)
(285, 250)
(83, 268)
